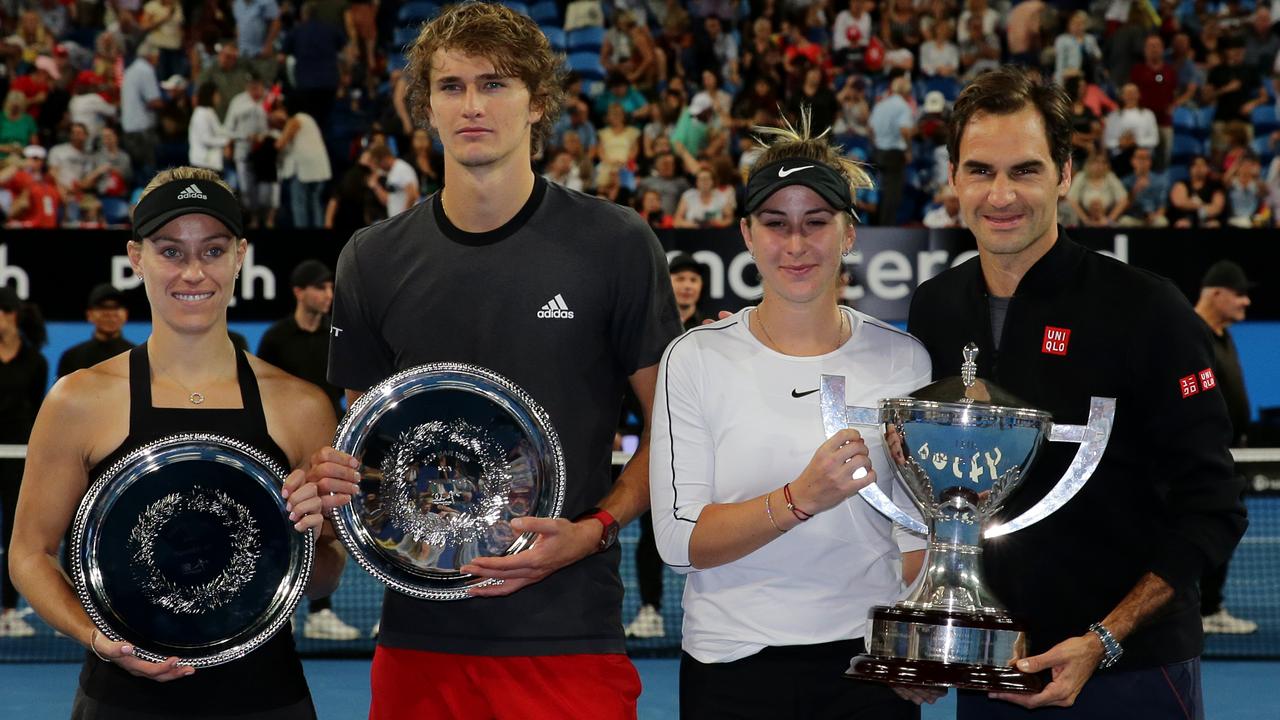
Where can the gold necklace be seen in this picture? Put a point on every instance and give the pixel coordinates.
(759, 316)
(195, 398)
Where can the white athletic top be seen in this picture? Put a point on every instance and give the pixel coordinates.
(727, 426)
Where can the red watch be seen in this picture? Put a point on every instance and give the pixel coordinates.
(609, 535)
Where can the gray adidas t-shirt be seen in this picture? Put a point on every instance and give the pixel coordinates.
(566, 300)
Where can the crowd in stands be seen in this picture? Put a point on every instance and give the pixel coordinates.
(301, 105)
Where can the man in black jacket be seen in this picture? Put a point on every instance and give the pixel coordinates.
(108, 315)
(1110, 579)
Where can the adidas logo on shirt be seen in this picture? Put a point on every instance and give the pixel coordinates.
(191, 191)
(555, 308)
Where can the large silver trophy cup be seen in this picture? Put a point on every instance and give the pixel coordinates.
(961, 446)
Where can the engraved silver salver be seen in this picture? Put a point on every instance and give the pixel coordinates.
(450, 454)
(184, 548)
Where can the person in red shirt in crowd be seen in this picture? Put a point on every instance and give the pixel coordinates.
(1157, 82)
(37, 84)
(36, 199)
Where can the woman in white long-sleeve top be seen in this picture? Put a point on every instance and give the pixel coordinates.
(207, 140)
(750, 499)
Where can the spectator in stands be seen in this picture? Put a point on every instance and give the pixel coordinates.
(1023, 32)
(583, 160)
(354, 204)
(694, 135)
(712, 88)
(1131, 119)
(36, 199)
(577, 120)
(619, 142)
(162, 24)
(562, 170)
(854, 112)
(89, 106)
(650, 208)
(947, 212)
(1123, 46)
(304, 165)
(1076, 49)
(428, 165)
(1148, 193)
(140, 100)
(23, 374)
(620, 91)
(938, 55)
(32, 38)
(1223, 301)
(1197, 201)
(397, 185)
(851, 33)
(360, 21)
(664, 181)
(1261, 45)
(1237, 88)
(608, 185)
(702, 206)
(315, 46)
(814, 93)
(108, 314)
(763, 57)
(1097, 196)
(1246, 193)
(247, 126)
(1192, 78)
(759, 96)
(984, 14)
(257, 25)
(899, 29)
(208, 142)
(17, 127)
(112, 173)
(1157, 82)
(665, 115)
(70, 164)
(979, 51)
(892, 127)
(629, 49)
(37, 84)
(230, 74)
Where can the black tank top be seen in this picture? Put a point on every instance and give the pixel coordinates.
(270, 676)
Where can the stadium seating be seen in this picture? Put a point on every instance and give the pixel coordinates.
(587, 39)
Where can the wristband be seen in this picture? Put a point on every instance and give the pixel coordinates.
(801, 515)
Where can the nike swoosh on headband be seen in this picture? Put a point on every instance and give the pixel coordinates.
(783, 172)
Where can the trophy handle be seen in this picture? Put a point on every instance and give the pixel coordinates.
(1093, 437)
(836, 416)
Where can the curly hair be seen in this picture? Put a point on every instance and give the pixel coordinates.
(788, 141)
(511, 41)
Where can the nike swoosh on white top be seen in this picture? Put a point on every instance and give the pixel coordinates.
(783, 172)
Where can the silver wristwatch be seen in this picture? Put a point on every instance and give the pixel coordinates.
(1111, 650)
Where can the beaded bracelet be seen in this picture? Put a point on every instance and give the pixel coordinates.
(801, 515)
(768, 510)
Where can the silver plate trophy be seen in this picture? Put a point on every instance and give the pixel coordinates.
(961, 446)
(184, 548)
(450, 454)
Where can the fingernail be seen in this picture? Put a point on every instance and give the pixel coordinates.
(284, 492)
(288, 506)
(353, 462)
(293, 516)
(1024, 666)
(127, 649)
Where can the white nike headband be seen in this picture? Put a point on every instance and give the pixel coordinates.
(830, 184)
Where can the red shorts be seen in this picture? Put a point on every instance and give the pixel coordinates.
(412, 684)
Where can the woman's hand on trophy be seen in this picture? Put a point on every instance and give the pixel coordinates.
(919, 695)
(336, 476)
(840, 467)
(303, 502)
(560, 542)
(121, 653)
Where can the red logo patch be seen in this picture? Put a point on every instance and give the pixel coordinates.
(1189, 386)
(1207, 380)
(1055, 340)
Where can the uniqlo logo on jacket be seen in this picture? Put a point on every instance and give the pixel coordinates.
(1190, 385)
(1207, 380)
(1055, 340)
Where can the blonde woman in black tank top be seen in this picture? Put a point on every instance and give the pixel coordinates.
(187, 377)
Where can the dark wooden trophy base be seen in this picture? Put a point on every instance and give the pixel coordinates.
(886, 621)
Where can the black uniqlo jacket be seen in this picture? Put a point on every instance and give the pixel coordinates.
(1164, 498)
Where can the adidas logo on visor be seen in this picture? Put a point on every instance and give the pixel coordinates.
(191, 191)
(555, 308)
